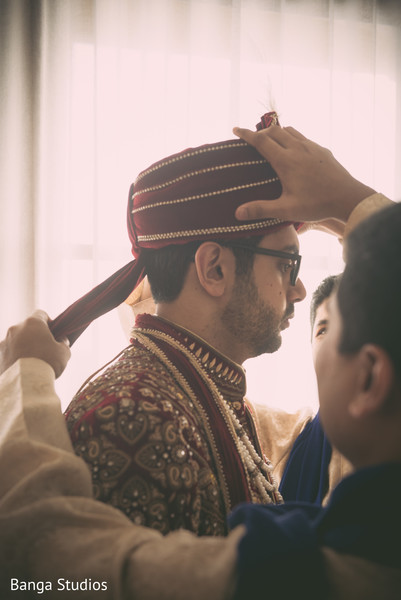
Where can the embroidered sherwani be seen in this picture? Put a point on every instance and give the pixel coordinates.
(158, 434)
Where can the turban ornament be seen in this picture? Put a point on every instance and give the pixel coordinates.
(185, 197)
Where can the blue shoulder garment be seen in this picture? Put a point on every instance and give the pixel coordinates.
(306, 475)
(280, 551)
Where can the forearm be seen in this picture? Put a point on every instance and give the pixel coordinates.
(368, 206)
(33, 435)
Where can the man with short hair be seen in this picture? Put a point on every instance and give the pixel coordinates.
(165, 430)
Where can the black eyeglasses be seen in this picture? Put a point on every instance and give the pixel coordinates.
(294, 258)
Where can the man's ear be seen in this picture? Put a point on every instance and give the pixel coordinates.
(375, 381)
(215, 266)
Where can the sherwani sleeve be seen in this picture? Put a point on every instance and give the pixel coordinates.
(52, 530)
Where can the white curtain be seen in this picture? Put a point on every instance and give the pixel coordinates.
(92, 91)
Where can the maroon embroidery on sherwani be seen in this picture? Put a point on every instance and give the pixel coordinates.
(158, 446)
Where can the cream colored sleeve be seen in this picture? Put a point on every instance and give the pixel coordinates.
(52, 531)
(339, 467)
(278, 431)
(364, 209)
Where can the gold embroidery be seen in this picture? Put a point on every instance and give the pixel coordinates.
(189, 154)
(93, 448)
(158, 427)
(147, 343)
(132, 431)
(169, 434)
(164, 422)
(204, 359)
(105, 412)
(210, 230)
(244, 186)
(160, 186)
(255, 466)
(114, 462)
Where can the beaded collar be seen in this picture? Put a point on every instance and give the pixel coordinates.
(225, 373)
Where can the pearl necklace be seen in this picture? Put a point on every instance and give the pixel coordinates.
(257, 470)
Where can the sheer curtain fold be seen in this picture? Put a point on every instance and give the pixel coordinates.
(93, 91)
(19, 91)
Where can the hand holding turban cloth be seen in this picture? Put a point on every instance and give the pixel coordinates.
(185, 197)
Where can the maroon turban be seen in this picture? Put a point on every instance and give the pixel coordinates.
(188, 196)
